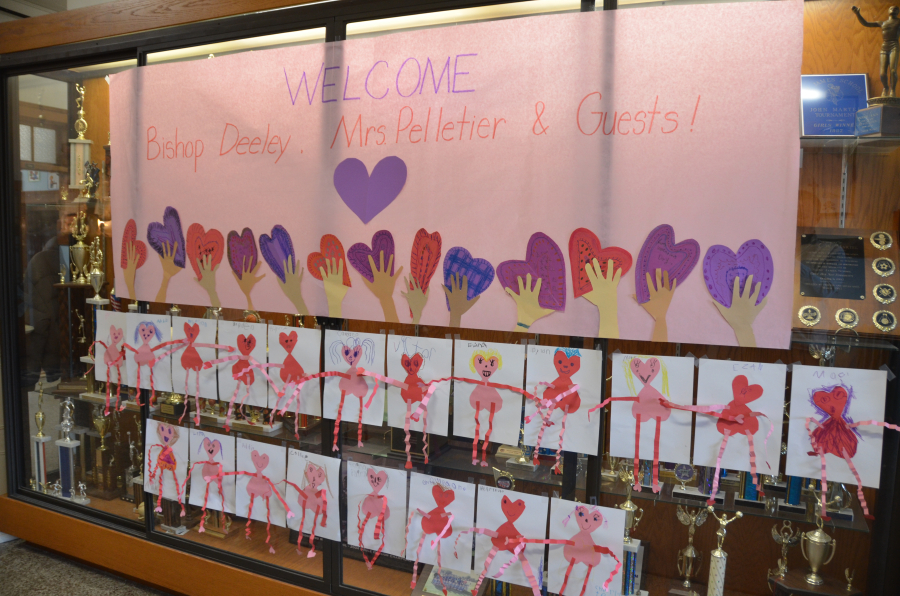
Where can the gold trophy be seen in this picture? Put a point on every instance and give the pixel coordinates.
(786, 537)
(83, 338)
(102, 455)
(690, 560)
(719, 558)
(97, 276)
(819, 544)
(79, 252)
(633, 513)
(39, 417)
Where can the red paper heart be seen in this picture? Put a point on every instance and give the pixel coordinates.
(425, 257)
(743, 391)
(191, 331)
(246, 344)
(513, 510)
(140, 249)
(288, 341)
(831, 402)
(584, 247)
(442, 496)
(201, 243)
(411, 365)
(331, 248)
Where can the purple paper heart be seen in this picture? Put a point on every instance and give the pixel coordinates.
(479, 272)
(366, 195)
(660, 252)
(359, 254)
(721, 266)
(276, 249)
(168, 232)
(544, 260)
(242, 251)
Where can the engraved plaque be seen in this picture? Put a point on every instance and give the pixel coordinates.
(832, 267)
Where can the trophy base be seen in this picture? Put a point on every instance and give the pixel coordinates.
(179, 531)
(514, 462)
(789, 508)
(97, 301)
(794, 583)
(677, 588)
(81, 500)
(692, 494)
(176, 409)
(211, 420)
(261, 427)
(879, 120)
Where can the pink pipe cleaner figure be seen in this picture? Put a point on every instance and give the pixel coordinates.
(168, 436)
(212, 470)
(373, 505)
(113, 355)
(438, 522)
(581, 548)
(485, 363)
(836, 433)
(311, 496)
(505, 538)
(261, 486)
(242, 372)
(560, 394)
(190, 361)
(414, 393)
(143, 355)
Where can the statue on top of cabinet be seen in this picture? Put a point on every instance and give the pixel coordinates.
(890, 52)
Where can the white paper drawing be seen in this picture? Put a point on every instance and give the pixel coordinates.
(376, 498)
(218, 449)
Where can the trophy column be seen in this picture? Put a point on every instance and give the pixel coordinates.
(39, 442)
(67, 446)
(719, 558)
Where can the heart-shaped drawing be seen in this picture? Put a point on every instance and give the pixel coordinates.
(115, 334)
(721, 266)
(645, 371)
(366, 195)
(201, 243)
(191, 331)
(246, 343)
(584, 247)
(442, 496)
(479, 272)
(744, 392)
(168, 233)
(330, 248)
(411, 365)
(513, 510)
(288, 341)
(377, 481)
(544, 260)
(140, 249)
(278, 249)
(211, 448)
(359, 254)
(425, 257)
(832, 402)
(242, 255)
(260, 460)
(660, 252)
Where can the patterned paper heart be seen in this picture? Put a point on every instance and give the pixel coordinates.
(242, 254)
(140, 249)
(366, 195)
(544, 260)
(425, 257)
(201, 243)
(721, 266)
(330, 248)
(832, 402)
(276, 250)
(660, 252)
(479, 272)
(584, 247)
(442, 496)
(359, 254)
(168, 233)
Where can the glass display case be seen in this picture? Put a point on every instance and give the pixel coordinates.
(197, 461)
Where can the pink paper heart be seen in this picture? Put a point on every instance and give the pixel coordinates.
(260, 460)
(376, 480)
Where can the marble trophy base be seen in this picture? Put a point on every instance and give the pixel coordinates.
(514, 462)
(690, 493)
(100, 398)
(97, 301)
(786, 507)
(260, 427)
(676, 588)
(880, 119)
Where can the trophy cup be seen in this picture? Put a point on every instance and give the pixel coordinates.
(819, 544)
(787, 538)
(39, 440)
(80, 147)
(79, 251)
(174, 405)
(718, 558)
(633, 513)
(66, 446)
(97, 276)
(690, 560)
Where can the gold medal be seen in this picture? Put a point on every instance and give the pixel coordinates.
(881, 240)
(847, 318)
(884, 293)
(885, 320)
(883, 266)
(809, 315)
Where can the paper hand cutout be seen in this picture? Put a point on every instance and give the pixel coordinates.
(248, 279)
(458, 298)
(383, 286)
(603, 295)
(658, 304)
(416, 299)
(133, 255)
(291, 286)
(528, 304)
(335, 290)
(206, 272)
(743, 311)
(169, 267)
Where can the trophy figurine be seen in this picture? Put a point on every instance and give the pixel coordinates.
(890, 49)
(718, 558)
(39, 417)
(66, 446)
(79, 250)
(633, 513)
(102, 454)
(82, 339)
(690, 560)
(819, 543)
(81, 125)
(39, 440)
(786, 537)
(96, 275)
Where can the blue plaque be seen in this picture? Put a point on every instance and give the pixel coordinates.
(830, 102)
